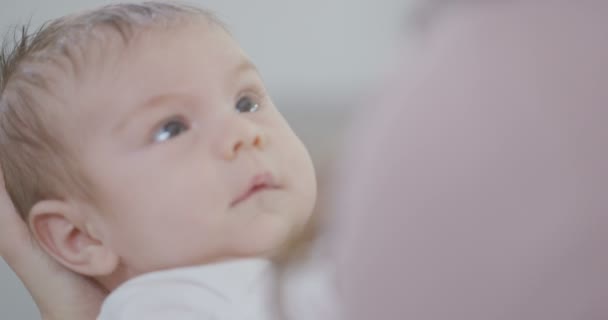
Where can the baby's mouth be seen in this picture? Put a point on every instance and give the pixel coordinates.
(260, 182)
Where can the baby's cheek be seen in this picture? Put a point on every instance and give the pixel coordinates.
(155, 244)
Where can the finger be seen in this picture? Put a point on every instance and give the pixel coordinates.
(15, 238)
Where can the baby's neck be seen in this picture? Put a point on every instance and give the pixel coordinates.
(123, 273)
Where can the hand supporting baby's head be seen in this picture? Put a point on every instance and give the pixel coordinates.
(137, 138)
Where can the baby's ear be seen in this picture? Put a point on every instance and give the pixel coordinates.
(61, 231)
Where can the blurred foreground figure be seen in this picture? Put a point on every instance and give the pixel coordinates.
(479, 189)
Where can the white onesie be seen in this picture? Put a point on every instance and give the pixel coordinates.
(243, 289)
(235, 290)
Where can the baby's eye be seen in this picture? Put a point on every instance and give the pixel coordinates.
(170, 129)
(247, 104)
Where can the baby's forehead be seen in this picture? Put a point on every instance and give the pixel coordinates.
(78, 50)
(73, 44)
(150, 63)
(53, 67)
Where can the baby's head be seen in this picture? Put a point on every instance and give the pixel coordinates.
(139, 137)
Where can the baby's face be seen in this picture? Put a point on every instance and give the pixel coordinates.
(191, 162)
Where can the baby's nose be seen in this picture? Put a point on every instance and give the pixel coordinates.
(242, 135)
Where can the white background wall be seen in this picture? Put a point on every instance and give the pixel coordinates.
(319, 58)
(320, 45)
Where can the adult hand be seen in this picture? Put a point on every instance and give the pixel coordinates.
(59, 293)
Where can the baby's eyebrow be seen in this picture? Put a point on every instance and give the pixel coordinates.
(152, 103)
(244, 66)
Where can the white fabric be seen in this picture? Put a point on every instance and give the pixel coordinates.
(237, 290)
(308, 286)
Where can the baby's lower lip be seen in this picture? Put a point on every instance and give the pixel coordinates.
(250, 193)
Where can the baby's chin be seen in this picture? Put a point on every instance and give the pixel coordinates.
(268, 245)
(267, 238)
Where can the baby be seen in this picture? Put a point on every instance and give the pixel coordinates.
(139, 143)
